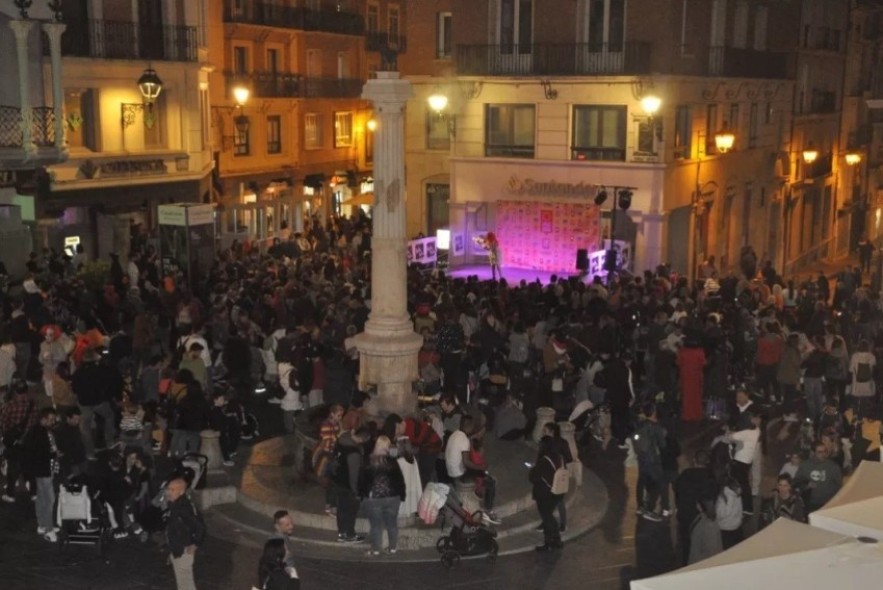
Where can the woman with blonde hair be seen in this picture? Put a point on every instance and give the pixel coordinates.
(382, 486)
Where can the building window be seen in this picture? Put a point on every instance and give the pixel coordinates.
(372, 18)
(510, 130)
(443, 35)
(240, 60)
(274, 134)
(683, 132)
(343, 130)
(313, 131)
(79, 119)
(393, 21)
(711, 128)
(599, 133)
(606, 25)
(438, 136)
(240, 140)
(761, 18)
(753, 125)
(516, 26)
(735, 119)
(273, 61)
(343, 65)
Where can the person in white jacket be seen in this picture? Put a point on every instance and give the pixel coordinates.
(729, 514)
(747, 441)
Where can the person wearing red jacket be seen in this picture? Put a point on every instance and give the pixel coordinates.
(770, 347)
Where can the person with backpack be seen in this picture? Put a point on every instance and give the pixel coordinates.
(649, 443)
(347, 465)
(861, 368)
(185, 532)
(550, 479)
(17, 416)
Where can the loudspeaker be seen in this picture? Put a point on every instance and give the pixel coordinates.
(582, 259)
(610, 260)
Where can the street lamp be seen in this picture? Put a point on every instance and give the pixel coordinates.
(240, 95)
(150, 86)
(651, 103)
(853, 158)
(810, 154)
(724, 140)
(371, 125)
(438, 102)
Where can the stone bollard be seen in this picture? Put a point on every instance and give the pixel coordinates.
(576, 467)
(544, 415)
(466, 492)
(210, 446)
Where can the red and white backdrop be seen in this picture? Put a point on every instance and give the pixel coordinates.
(546, 236)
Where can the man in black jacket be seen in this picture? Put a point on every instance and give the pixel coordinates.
(692, 485)
(348, 458)
(185, 531)
(70, 442)
(41, 463)
(91, 385)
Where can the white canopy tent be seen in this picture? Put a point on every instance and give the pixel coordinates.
(784, 555)
(857, 509)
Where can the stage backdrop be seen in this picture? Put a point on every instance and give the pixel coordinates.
(546, 236)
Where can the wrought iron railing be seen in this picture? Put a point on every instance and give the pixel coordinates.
(127, 40)
(559, 59)
(377, 40)
(42, 122)
(733, 62)
(268, 14)
(279, 85)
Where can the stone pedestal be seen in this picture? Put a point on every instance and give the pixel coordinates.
(544, 416)
(466, 492)
(388, 347)
(576, 467)
(210, 446)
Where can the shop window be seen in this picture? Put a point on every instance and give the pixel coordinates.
(274, 134)
(343, 130)
(599, 133)
(313, 131)
(510, 130)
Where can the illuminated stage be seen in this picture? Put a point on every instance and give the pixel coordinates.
(512, 275)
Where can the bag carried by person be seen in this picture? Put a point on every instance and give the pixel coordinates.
(560, 480)
(863, 373)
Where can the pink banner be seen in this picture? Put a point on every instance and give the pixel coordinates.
(546, 236)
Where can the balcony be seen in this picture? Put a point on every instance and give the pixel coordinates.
(279, 85)
(42, 127)
(267, 14)
(545, 59)
(126, 40)
(377, 40)
(733, 62)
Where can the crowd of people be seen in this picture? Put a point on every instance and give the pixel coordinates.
(103, 379)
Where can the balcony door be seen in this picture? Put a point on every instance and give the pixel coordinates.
(604, 49)
(151, 37)
(515, 36)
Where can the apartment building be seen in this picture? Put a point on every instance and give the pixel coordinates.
(304, 135)
(748, 92)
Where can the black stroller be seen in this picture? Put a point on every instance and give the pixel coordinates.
(469, 535)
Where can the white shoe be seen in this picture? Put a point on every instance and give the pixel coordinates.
(229, 463)
(790, 418)
(43, 530)
(8, 499)
(51, 537)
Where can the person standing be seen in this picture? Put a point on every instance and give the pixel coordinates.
(770, 347)
(865, 253)
(821, 476)
(283, 527)
(185, 532)
(383, 489)
(17, 416)
(542, 476)
(747, 441)
(89, 383)
(693, 484)
(649, 442)
(41, 463)
(691, 369)
(348, 454)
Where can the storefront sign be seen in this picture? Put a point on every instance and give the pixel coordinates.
(533, 188)
(172, 215)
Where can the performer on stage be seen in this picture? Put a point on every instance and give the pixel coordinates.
(490, 243)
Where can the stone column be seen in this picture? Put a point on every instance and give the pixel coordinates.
(544, 416)
(54, 32)
(22, 31)
(210, 446)
(388, 346)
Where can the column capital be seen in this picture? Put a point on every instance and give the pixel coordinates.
(22, 29)
(53, 30)
(387, 88)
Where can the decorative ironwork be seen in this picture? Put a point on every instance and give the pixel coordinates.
(74, 120)
(40, 120)
(377, 40)
(43, 126)
(554, 59)
(327, 19)
(10, 127)
(56, 6)
(23, 7)
(128, 40)
(129, 111)
(284, 85)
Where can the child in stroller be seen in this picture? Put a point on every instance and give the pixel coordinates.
(469, 535)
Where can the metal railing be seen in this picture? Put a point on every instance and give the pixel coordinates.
(558, 59)
(42, 123)
(268, 14)
(284, 85)
(128, 40)
(822, 102)
(377, 40)
(732, 62)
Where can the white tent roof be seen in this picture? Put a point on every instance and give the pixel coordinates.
(857, 509)
(786, 555)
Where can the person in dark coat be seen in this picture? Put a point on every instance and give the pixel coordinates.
(92, 388)
(616, 379)
(70, 441)
(542, 474)
(191, 417)
(41, 463)
(691, 486)
(185, 532)
(272, 574)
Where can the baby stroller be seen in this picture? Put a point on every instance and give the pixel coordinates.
(81, 518)
(590, 419)
(469, 535)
